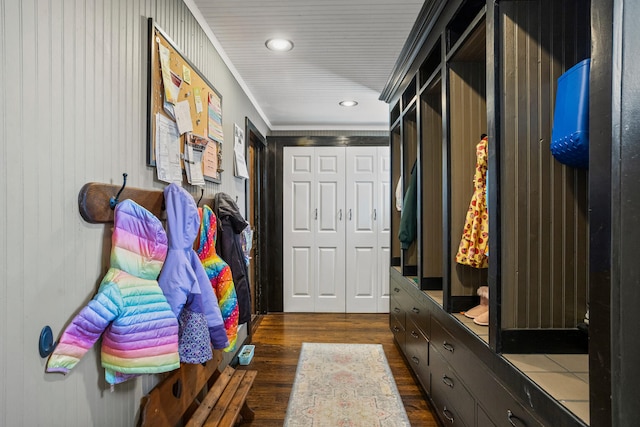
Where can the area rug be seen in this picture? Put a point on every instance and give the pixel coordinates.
(344, 385)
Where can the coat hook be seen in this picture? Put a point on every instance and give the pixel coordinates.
(201, 195)
(114, 200)
(46, 344)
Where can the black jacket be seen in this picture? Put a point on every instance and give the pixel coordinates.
(229, 247)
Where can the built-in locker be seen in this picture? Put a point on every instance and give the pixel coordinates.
(490, 69)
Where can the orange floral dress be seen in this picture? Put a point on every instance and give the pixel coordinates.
(474, 246)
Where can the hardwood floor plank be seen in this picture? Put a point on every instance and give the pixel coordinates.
(278, 340)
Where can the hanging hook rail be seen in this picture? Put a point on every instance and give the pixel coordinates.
(95, 198)
(114, 200)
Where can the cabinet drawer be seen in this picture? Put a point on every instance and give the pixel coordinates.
(452, 350)
(454, 403)
(398, 332)
(417, 353)
(504, 409)
(418, 313)
(396, 309)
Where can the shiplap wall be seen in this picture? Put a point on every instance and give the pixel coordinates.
(73, 110)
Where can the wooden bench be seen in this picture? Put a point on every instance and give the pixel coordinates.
(175, 400)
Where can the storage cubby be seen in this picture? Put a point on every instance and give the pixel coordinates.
(409, 168)
(467, 123)
(396, 181)
(544, 233)
(431, 186)
(430, 68)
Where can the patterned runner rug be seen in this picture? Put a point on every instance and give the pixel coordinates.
(344, 385)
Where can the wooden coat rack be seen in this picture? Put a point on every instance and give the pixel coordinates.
(95, 199)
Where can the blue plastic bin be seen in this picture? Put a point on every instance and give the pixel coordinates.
(570, 134)
(246, 354)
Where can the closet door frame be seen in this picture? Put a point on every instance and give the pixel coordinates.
(275, 148)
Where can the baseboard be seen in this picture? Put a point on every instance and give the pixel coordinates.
(462, 303)
(431, 284)
(544, 341)
(410, 270)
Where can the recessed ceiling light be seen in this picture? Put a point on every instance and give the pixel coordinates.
(348, 103)
(279, 45)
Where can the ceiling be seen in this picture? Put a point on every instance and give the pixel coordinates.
(343, 50)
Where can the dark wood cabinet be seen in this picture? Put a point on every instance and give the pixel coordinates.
(467, 383)
(472, 68)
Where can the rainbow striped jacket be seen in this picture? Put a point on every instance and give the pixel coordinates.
(139, 330)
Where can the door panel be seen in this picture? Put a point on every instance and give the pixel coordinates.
(384, 226)
(364, 281)
(298, 230)
(329, 233)
(301, 209)
(361, 230)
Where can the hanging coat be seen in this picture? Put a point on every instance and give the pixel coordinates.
(474, 245)
(230, 225)
(185, 283)
(409, 217)
(140, 330)
(219, 274)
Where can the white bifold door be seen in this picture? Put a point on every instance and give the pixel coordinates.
(336, 229)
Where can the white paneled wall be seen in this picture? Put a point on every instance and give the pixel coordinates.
(73, 110)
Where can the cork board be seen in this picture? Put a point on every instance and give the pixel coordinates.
(185, 83)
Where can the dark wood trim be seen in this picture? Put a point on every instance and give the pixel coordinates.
(260, 198)
(462, 303)
(446, 184)
(494, 85)
(600, 203)
(544, 341)
(431, 283)
(625, 205)
(275, 145)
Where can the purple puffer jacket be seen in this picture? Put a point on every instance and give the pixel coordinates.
(185, 283)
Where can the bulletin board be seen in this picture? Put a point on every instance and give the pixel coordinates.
(186, 83)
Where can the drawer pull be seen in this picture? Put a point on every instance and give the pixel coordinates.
(448, 381)
(415, 360)
(397, 310)
(396, 329)
(447, 346)
(396, 289)
(415, 335)
(511, 418)
(448, 414)
(415, 310)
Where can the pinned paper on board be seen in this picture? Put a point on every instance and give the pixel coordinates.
(183, 117)
(239, 164)
(215, 118)
(194, 148)
(186, 74)
(167, 150)
(197, 99)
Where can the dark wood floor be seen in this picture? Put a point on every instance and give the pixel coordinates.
(278, 340)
